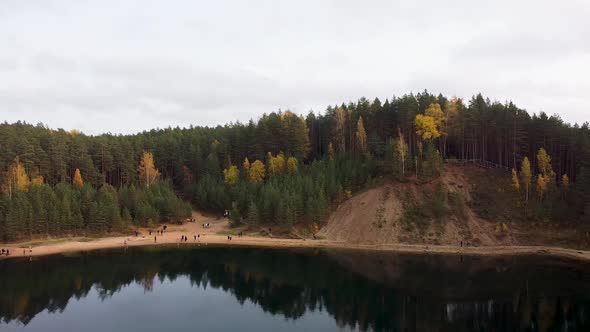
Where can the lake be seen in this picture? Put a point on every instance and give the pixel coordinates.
(254, 289)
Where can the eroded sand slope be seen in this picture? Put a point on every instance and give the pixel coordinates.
(378, 215)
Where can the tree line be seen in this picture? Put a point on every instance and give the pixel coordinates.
(286, 167)
(31, 208)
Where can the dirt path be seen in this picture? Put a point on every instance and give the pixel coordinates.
(217, 234)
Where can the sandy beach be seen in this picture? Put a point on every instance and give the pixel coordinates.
(219, 230)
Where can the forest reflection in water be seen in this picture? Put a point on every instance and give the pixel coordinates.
(358, 290)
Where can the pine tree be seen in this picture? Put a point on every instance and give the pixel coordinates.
(290, 215)
(253, 215)
(66, 214)
(330, 151)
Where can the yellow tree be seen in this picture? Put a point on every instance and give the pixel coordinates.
(75, 132)
(292, 165)
(246, 164)
(231, 175)
(282, 161)
(541, 186)
(38, 180)
(77, 181)
(426, 127)
(361, 136)
(330, 151)
(525, 175)
(548, 176)
(339, 133)
(147, 170)
(544, 162)
(435, 112)
(565, 182)
(22, 179)
(256, 172)
(402, 150)
(16, 178)
(276, 165)
(515, 182)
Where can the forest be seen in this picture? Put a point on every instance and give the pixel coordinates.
(283, 168)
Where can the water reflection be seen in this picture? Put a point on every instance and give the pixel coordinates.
(360, 290)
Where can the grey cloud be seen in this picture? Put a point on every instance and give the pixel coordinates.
(127, 66)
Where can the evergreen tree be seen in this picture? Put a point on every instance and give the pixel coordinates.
(253, 214)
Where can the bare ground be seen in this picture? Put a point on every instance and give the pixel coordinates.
(379, 216)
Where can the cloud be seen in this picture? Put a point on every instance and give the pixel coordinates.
(124, 67)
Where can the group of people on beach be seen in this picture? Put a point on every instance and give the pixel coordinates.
(159, 232)
(6, 252)
(196, 238)
(230, 237)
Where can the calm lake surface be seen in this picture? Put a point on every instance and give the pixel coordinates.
(251, 289)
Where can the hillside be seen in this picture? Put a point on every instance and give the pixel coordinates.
(286, 170)
(455, 207)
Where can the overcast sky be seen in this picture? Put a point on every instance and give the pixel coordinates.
(125, 66)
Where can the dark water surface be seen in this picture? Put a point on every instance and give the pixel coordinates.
(250, 289)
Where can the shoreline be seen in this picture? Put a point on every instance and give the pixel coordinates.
(67, 246)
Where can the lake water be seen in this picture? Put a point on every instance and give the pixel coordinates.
(251, 289)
